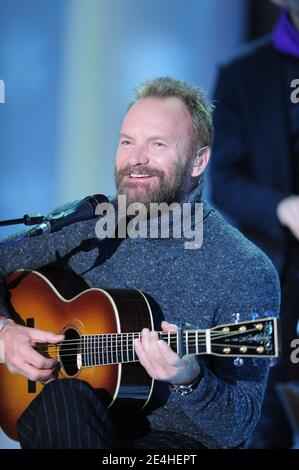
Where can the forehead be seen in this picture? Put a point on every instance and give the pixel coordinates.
(169, 115)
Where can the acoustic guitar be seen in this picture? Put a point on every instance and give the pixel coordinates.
(100, 326)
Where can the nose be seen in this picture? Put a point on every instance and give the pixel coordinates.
(138, 156)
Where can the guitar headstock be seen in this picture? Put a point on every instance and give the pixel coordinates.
(258, 338)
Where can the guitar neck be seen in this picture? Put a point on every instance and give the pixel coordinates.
(250, 339)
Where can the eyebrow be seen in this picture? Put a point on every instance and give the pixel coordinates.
(124, 135)
(159, 137)
(153, 137)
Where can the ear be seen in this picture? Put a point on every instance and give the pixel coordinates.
(201, 160)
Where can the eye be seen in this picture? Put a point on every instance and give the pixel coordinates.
(159, 144)
(126, 142)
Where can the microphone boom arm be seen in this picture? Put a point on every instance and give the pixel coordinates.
(26, 220)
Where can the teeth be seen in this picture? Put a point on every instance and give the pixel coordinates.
(138, 176)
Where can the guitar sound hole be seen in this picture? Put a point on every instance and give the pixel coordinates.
(69, 350)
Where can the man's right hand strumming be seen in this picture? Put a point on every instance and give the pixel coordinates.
(19, 354)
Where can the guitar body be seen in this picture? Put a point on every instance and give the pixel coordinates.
(100, 326)
(39, 304)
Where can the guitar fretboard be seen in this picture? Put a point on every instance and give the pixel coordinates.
(251, 339)
(119, 348)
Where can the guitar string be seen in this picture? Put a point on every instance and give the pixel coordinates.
(105, 338)
(109, 349)
(100, 350)
(108, 353)
(90, 348)
(163, 333)
(116, 336)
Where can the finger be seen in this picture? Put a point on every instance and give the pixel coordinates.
(41, 336)
(169, 327)
(151, 357)
(145, 337)
(37, 360)
(149, 343)
(168, 355)
(35, 374)
(155, 346)
(159, 364)
(157, 369)
(142, 356)
(151, 348)
(145, 354)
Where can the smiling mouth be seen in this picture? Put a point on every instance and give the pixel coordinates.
(137, 176)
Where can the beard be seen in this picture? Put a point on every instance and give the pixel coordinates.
(166, 187)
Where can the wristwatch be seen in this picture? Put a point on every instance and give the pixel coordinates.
(186, 389)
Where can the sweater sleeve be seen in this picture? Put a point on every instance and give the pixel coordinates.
(227, 402)
(20, 252)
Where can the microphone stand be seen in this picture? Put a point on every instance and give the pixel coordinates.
(26, 220)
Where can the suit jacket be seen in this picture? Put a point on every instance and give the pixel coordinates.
(251, 170)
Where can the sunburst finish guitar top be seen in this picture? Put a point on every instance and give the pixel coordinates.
(100, 326)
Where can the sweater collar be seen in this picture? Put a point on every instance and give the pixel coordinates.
(186, 217)
(286, 35)
(180, 222)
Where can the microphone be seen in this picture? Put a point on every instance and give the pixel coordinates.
(83, 210)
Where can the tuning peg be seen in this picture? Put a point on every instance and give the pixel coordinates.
(238, 361)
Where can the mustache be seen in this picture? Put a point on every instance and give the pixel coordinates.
(140, 170)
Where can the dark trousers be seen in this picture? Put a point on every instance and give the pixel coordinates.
(68, 414)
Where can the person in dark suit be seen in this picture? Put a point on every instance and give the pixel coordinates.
(255, 178)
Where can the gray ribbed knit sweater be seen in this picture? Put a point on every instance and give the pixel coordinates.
(204, 287)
